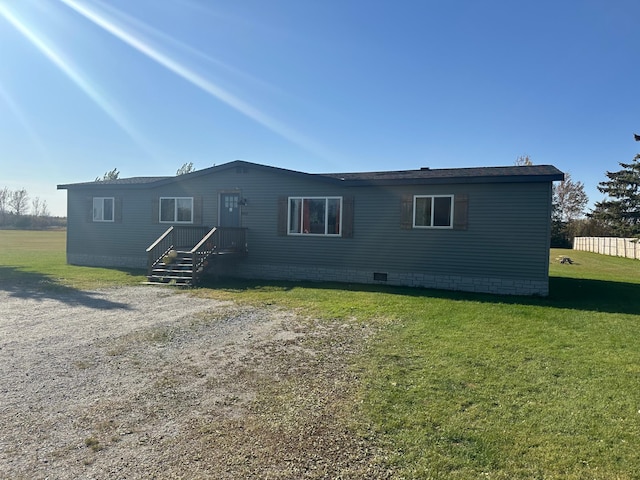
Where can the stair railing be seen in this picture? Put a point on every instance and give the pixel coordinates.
(200, 254)
(159, 249)
(217, 240)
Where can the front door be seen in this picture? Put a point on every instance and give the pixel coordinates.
(229, 210)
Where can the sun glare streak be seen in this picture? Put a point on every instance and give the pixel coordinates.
(142, 26)
(195, 79)
(22, 119)
(68, 69)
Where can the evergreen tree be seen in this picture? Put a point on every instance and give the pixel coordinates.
(620, 210)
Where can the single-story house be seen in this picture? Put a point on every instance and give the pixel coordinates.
(481, 229)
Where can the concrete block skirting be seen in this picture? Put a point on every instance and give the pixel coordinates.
(345, 275)
(412, 279)
(107, 260)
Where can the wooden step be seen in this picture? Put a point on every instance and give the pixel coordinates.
(173, 265)
(170, 275)
(169, 279)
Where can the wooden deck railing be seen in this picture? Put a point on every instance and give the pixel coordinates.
(159, 249)
(232, 240)
(206, 243)
(218, 241)
(200, 254)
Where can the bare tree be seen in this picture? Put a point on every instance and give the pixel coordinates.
(39, 208)
(36, 206)
(39, 213)
(523, 161)
(44, 209)
(19, 201)
(185, 168)
(4, 198)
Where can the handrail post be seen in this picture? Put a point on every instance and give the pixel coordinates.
(194, 268)
(154, 248)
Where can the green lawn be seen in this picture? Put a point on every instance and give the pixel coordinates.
(456, 385)
(37, 258)
(466, 386)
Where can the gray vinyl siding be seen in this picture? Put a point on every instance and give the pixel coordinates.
(507, 234)
(127, 239)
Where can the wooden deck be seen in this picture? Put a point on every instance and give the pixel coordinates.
(182, 255)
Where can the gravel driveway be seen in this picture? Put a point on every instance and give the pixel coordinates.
(147, 382)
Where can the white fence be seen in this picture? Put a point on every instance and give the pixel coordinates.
(617, 247)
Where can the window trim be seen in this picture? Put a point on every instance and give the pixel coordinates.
(432, 226)
(175, 210)
(113, 210)
(326, 217)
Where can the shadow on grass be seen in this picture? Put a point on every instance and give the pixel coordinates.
(594, 295)
(569, 293)
(36, 286)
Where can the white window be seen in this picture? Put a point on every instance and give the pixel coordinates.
(103, 209)
(433, 211)
(315, 216)
(176, 210)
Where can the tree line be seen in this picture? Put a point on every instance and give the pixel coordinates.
(19, 210)
(618, 215)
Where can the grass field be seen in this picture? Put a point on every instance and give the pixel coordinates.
(39, 258)
(455, 385)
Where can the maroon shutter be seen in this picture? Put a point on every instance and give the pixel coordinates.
(197, 210)
(282, 216)
(89, 209)
(117, 210)
(406, 212)
(347, 217)
(461, 212)
(155, 210)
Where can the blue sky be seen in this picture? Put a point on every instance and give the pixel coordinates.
(313, 85)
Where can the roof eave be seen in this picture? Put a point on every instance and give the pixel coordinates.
(106, 185)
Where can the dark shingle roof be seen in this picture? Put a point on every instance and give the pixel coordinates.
(532, 173)
(458, 175)
(118, 181)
